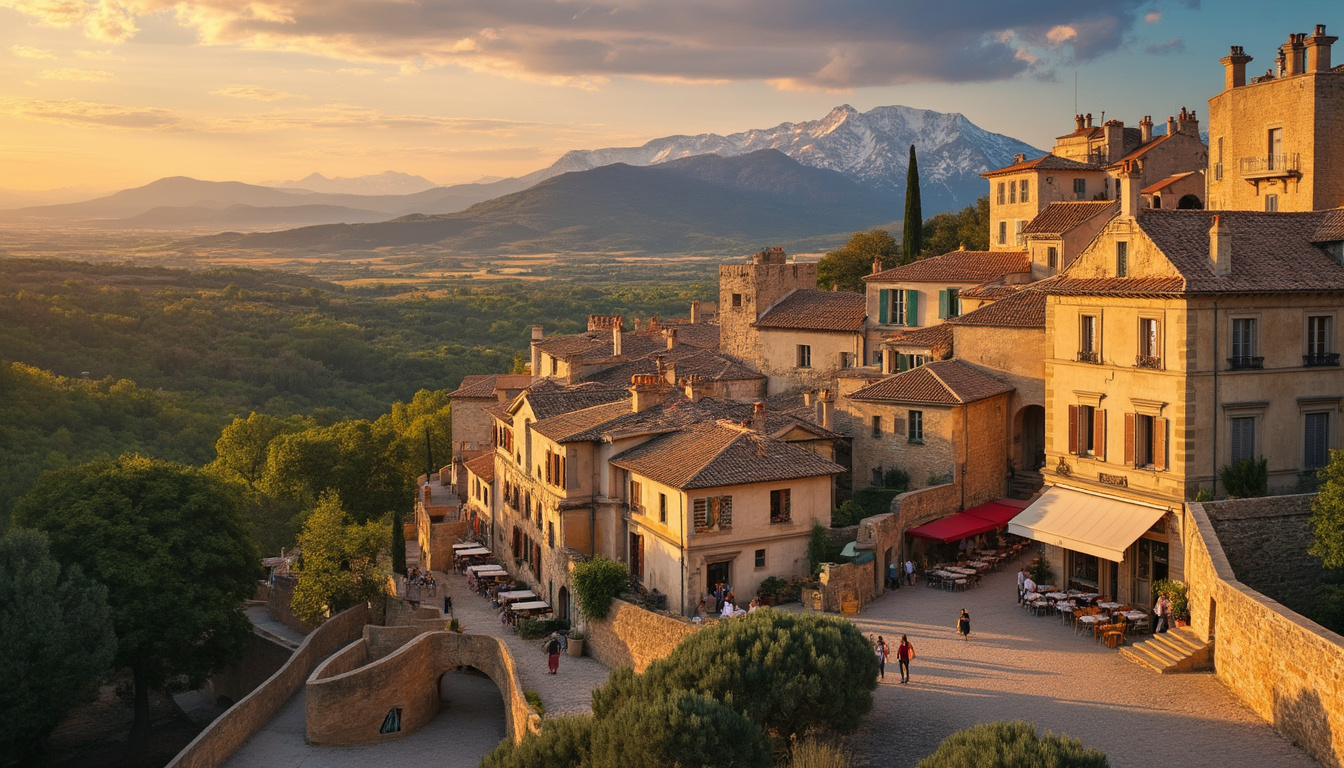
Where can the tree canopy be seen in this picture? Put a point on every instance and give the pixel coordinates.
(172, 546)
(597, 581)
(968, 227)
(1327, 514)
(845, 268)
(683, 729)
(340, 566)
(56, 639)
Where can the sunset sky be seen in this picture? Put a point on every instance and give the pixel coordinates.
(116, 93)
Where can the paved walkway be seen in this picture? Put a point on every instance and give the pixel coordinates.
(1019, 666)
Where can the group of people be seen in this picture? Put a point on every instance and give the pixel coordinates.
(419, 583)
(901, 572)
(904, 653)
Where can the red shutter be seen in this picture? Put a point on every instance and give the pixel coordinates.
(1073, 429)
(1099, 434)
(641, 557)
(1159, 444)
(1129, 439)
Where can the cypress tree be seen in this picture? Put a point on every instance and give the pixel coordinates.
(912, 233)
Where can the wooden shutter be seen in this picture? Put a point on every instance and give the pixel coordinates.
(942, 303)
(1073, 429)
(1129, 439)
(883, 306)
(1099, 433)
(912, 308)
(902, 362)
(725, 512)
(1159, 444)
(700, 511)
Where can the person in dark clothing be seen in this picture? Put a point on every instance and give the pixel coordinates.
(964, 625)
(448, 605)
(904, 653)
(553, 653)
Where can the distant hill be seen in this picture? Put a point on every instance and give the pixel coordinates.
(386, 183)
(245, 217)
(695, 204)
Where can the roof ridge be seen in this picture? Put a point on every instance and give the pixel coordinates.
(934, 373)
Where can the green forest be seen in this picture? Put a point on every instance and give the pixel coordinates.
(104, 359)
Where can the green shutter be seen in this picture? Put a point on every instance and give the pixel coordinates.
(942, 303)
(902, 362)
(882, 304)
(912, 308)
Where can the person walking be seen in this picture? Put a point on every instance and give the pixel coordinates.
(964, 625)
(910, 572)
(880, 648)
(448, 605)
(1163, 611)
(1021, 583)
(553, 653)
(904, 653)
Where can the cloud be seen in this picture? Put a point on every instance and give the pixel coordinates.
(1152, 17)
(255, 93)
(841, 44)
(76, 75)
(345, 116)
(27, 52)
(89, 114)
(1174, 45)
(99, 55)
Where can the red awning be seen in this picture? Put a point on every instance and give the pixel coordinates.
(995, 512)
(953, 528)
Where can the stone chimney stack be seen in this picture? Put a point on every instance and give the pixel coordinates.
(1220, 247)
(1318, 50)
(824, 403)
(537, 334)
(1087, 120)
(757, 417)
(1281, 63)
(671, 334)
(877, 266)
(1078, 122)
(1235, 68)
(694, 388)
(1146, 129)
(695, 312)
(1188, 124)
(616, 339)
(1113, 133)
(1295, 54)
(1171, 125)
(648, 390)
(1129, 189)
(808, 397)
(1020, 157)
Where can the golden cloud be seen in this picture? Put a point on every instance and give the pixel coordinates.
(76, 75)
(28, 52)
(256, 93)
(90, 114)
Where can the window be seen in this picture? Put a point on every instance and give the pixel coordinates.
(804, 356)
(713, 513)
(1001, 191)
(1243, 438)
(949, 302)
(1316, 448)
(737, 300)
(555, 367)
(1122, 259)
(915, 427)
(1080, 189)
(662, 507)
(781, 507)
(1275, 159)
(1087, 431)
(1012, 191)
(1150, 344)
(636, 497)
(877, 426)
(1145, 441)
(1052, 257)
(877, 358)
(877, 477)
(636, 555)
(898, 305)
(1271, 203)
(760, 558)
(1088, 344)
(1244, 344)
(1003, 233)
(1318, 342)
(1218, 166)
(550, 534)
(1026, 187)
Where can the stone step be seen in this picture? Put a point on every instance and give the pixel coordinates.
(1179, 650)
(1138, 656)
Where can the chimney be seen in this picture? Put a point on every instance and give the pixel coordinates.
(616, 339)
(1220, 247)
(1129, 189)
(1078, 123)
(671, 334)
(1188, 124)
(660, 366)
(1020, 157)
(537, 335)
(647, 391)
(694, 388)
(877, 266)
(807, 399)
(1280, 63)
(757, 423)
(1235, 68)
(1113, 133)
(1318, 50)
(1171, 125)
(1146, 129)
(1295, 53)
(695, 312)
(824, 408)
(1087, 120)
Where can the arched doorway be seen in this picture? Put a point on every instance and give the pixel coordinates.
(1032, 453)
(1190, 203)
(562, 604)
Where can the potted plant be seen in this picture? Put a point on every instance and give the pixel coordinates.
(576, 644)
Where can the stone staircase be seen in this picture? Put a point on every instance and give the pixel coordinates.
(1178, 650)
(1025, 484)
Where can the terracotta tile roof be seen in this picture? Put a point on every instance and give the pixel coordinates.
(1044, 163)
(683, 361)
(924, 338)
(1024, 309)
(678, 412)
(1115, 286)
(1271, 252)
(1058, 218)
(548, 404)
(563, 427)
(1142, 150)
(992, 290)
(483, 466)
(1331, 228)
(598, 344)
(1167, 182)
(957, 267)
(946, 382)
(714, 455)
(480, 387)
(806, 309)
(703, 335)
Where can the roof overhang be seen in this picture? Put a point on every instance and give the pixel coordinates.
(1083, 521)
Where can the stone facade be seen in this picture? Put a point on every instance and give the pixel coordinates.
(631, 636)
(845, 581)
(828, 352)
(1266, 542)
(746, 291)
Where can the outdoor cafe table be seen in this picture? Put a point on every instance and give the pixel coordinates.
(1089, 621)
(1056, 595)
(962, 571)
(519, 595)
(486, 570)
(1031, 597)
(1109, 605)
(1132, 615)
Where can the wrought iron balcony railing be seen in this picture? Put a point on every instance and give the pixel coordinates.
(1283, 164)
(1321, 360)
(1245, 362)
(1152, 362)
(1089, 356)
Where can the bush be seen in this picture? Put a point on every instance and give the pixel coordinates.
(896, 478)
(820, 549)
(534, 701)
(849, 513)
(786, 672)
(532, 629)
(1246, 478)
(812, 752)
(1176, 592)
(683, 729)
(1040, 571)
(876, 501)
(1011, 745)
(596, 583)
(564, 742)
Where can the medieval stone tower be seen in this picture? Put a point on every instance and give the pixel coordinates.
(746, 291)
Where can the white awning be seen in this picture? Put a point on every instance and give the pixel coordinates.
(1087, 522)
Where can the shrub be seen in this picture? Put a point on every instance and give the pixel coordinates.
(876, 501)
(531, 629)
(564, 742)
(786, 672)
(1011, 745)
(1246, 478)
(1176, 592)
(812, 752)
(820, 549)
(596, 583)
(534, 701)
(683, 729)
(896, 478)
(849, 513)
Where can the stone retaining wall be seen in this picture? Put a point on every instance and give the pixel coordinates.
(221, 738)
(1286, 668)
(841, 580)
(348, 706)
(262, 659)
(631, 636)
(1266, 542)
(279, 594)
(886, 533)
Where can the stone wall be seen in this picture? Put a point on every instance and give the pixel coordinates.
(884, 535)
(1287, 669)
(631, 636)
(222, 737)
(262, 659)
(348, 705)
(278, 595)
(1266, 542)
(841, 580)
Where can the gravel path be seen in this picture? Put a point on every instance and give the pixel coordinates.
(1019, 666)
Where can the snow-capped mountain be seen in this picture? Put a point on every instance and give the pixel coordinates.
(872, 148)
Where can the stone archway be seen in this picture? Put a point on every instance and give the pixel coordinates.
(1190, 203)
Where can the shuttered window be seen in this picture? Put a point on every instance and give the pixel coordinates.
(713, 513)
(1316, 451)
(898, 307)
(882, 299)
(912, 308)
(1243, 438)
(781, 506)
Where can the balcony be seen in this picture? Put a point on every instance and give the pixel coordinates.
(1089, 356)
(1270, 167)
(1323, 360)
(1151, 362)
(1246, 362)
